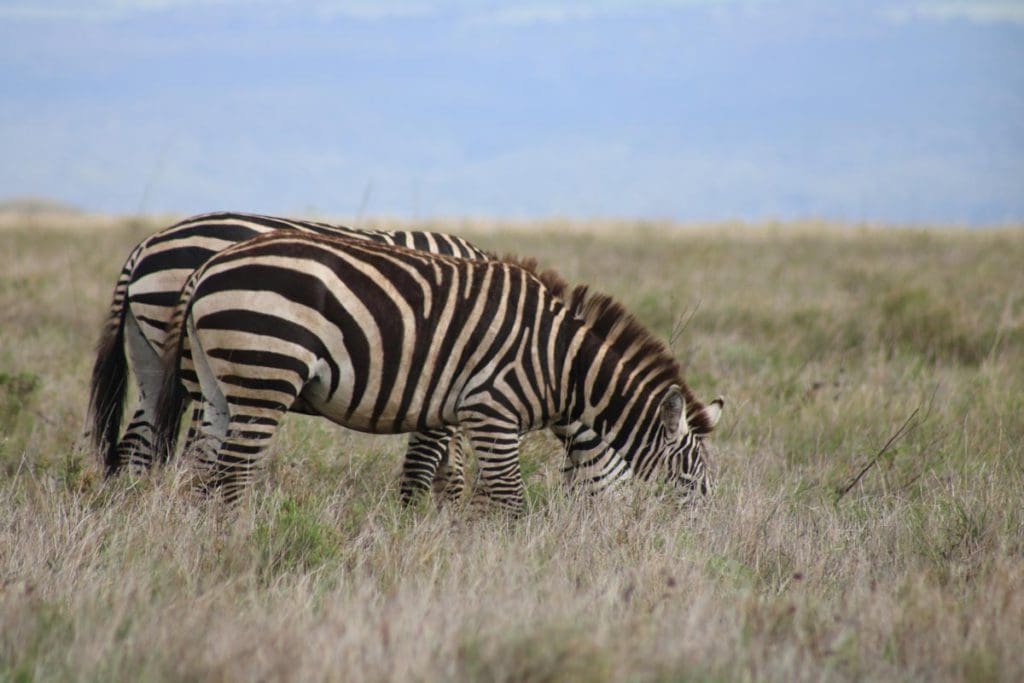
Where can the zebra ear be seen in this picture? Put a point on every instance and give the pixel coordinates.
(672, 413)
(706, 420)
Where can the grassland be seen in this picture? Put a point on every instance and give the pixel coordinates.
(821, 556)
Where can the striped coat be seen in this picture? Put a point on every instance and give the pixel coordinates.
(144, 298)
(388, 340)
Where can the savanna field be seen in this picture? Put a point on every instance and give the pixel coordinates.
(867, 521)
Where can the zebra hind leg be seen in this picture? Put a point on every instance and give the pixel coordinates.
(233, 435)
(230, 448)
(135, 450)
(204, 445)
(195, 429)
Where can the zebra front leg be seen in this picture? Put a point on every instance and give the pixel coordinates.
(425, 452)
(450, 480)
(434, 460)
(500, 480)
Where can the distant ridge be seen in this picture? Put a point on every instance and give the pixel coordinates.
(35, 206)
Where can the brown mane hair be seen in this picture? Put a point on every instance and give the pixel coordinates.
(610, 320)
(549, 278)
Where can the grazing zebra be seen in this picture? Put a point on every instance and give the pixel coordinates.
(144, 297)
(388, 340)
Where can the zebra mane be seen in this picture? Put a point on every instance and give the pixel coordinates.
(610, 321)
(549, 278)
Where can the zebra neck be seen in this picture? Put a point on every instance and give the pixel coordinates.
(617, 395)
(595, 379)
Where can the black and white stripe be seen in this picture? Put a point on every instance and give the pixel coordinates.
(146, 292)
(388, 340)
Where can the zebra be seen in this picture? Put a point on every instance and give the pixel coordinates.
(383, 339)
(144, 297)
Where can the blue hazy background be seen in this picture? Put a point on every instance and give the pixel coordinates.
(894, 110)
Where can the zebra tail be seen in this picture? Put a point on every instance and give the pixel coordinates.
(173, 398)
(109, 381)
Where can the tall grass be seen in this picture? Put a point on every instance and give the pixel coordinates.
(824, 339)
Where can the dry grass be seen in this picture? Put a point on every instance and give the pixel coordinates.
(824, 340)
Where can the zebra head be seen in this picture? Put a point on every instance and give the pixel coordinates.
(676, 456)
(677, 453)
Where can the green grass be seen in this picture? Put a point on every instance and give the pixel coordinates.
(824, 340)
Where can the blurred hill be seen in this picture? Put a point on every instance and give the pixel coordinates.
(37, 206)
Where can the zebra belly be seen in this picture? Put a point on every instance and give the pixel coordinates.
(364, 416)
